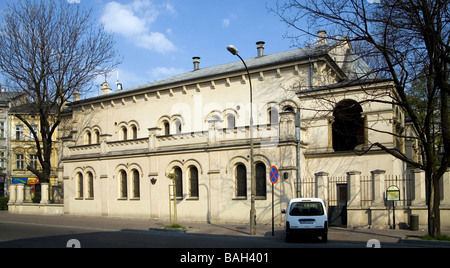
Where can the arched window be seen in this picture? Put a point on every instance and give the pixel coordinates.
(166, 128)
(231, 122)
(124, 131)
(97, 137)
(179, 181)
(123, 184)
(134, 132)
(241, 180)
(80, 184)
(193, 182)
(273, 116)
(90, 185)
(178, 126)
(136, 184)
(288, 109)
(261, 180)
(88, 138)
(348, 126)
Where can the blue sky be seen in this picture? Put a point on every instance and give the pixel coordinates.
(157, 39)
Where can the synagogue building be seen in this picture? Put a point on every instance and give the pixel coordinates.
(314, 119)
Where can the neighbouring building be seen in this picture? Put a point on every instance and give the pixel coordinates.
(6, 100)
(23, 153)
(312, 112)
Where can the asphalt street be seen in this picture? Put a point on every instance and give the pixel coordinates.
(31, 235)
(31, 231)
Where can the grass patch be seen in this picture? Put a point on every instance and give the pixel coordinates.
(175, 226)
(443, 237)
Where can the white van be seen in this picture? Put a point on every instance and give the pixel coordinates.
(306, 216)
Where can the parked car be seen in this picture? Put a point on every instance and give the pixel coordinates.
(306, 216)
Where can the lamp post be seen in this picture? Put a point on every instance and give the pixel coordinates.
(233, 50)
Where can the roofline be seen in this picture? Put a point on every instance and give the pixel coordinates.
(152, 87)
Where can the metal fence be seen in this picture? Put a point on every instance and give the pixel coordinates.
(333, 192)
(404, 182)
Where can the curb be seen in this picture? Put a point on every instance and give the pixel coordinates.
(166, 230)
(421, 242)
(171, 230)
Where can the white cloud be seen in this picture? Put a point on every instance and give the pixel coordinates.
(171, 9)
(156, 41)
(226, 22)
(133, 21)
(163, 72)
(74, 1)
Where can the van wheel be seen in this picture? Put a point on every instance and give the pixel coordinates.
(325, 238)
(288, 238)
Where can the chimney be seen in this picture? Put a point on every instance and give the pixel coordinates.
(196, 63)
(119, 85)
(105, 88)
(260, 47)
(322, 37)
(76, 96)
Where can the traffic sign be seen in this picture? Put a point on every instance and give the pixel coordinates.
(273, 174)
(273, 179)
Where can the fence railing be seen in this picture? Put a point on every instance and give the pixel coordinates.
(308, 188)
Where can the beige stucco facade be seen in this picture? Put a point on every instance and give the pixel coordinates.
(124, 143)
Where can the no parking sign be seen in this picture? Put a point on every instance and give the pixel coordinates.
(273, 174)
(273, 179)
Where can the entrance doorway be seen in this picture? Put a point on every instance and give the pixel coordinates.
(337, 215)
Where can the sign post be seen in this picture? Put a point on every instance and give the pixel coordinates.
(273, 179)
(393, 194)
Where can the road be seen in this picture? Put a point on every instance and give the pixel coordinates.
(170, 248)
(32, 235)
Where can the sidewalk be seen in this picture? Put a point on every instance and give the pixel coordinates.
(118, 224)
(264, 231)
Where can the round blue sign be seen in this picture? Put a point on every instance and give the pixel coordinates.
(273, 175)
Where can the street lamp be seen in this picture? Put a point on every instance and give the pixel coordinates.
(233, 50)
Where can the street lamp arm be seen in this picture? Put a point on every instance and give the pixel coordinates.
(251, 88)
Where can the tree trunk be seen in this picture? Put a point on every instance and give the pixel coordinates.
(434, 214)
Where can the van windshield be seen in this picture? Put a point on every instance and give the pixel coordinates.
(306, 209)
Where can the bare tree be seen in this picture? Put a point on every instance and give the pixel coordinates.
(408, 43)
(49, 50)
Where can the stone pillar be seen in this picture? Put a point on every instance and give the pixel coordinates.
(378, 186)
(67, 143)
(355, 216)
(287, 126)
(104, 143)
(56, 194)
(152, 141)
(68, 193)
(322, 186)
(419, 188)
(12, 193)
(354, 188)
(44, 193)
(27, 194)
(20, 190)
(213, 131)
